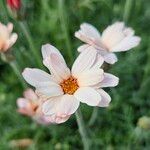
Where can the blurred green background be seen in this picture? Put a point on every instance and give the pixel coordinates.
(55, 21)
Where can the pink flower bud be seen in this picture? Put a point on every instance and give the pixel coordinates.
(14, 4)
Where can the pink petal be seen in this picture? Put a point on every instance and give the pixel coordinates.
(30, 94)
(22, 102)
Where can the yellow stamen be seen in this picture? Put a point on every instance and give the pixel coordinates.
(69, 85)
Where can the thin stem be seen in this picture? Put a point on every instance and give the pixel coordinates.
(3, 10)
(30, 41)
(127, 10)
(64, 27)
(16, 70)
(82, 130)
(93, 116)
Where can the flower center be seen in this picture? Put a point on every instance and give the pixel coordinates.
(69, 85)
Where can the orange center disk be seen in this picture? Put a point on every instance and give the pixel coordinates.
(69, 85)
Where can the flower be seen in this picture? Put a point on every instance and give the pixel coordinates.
(30, 106)
(7, 38)
(144, 122)
(115, 38)
(64, 89)
(14, 4)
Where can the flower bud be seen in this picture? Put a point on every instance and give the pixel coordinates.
(14, 4)
(144, 122)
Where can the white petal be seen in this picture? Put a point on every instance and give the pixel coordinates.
(110, 30)
(42, 81)
(50, 90)
(82, 47)
(12, 39)
(88, 95)
(59, 120)
(67, 105)
(98, 62)
(36, 77)
(49, 107)
(56, 119)
(90, 30)
(57, 66)
(105, 98)
(113, 34)
(128, 31)
(10, 27)
(48, 49)
(126, 44)
(110, 58)
(90, 77)
(84, 61)
(109, 80)
(55, 62)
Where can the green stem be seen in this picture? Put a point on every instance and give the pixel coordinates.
(64, 27)
(17, 71)
(127, 10)
(82, 130)
(93, 116)
(15, 68)
(3, 10)
(30, 41)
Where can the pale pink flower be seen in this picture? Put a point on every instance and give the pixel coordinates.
(30, 105)
(115, 38)
(65, 88)
(7, 38)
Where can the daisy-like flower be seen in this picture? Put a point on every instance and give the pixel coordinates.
(7, 38)
(64, 89)
(115, 38)
(30, 106)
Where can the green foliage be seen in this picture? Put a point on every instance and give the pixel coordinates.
(48, 22)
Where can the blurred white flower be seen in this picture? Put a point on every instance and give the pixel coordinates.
(30, 105)
(7, 38)
(115, 38)
(65, 89)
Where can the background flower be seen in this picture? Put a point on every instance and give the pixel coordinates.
(7, 38)
(115, 38)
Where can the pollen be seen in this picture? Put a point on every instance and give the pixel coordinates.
(69, 85)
